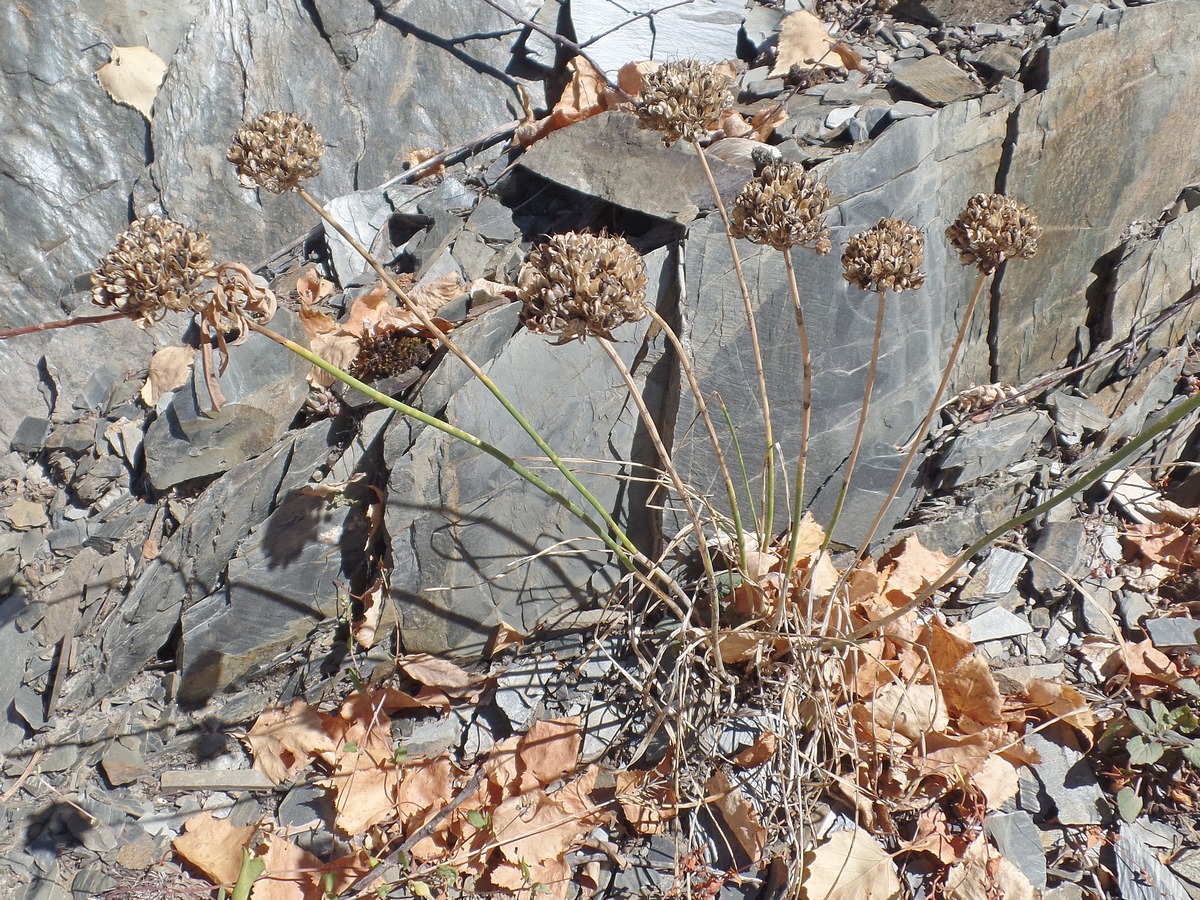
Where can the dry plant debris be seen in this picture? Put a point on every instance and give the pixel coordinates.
(509, 829)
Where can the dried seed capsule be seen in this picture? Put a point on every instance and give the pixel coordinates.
(683, 99)
(579, 284)
(886, 257)
(276, 151)
(994, 228)
(155, 266)
(782, 206)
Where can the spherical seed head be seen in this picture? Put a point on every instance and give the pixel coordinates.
(782, 206)
(579, 284)
(994, 228)
(886, 257)
(276, 151)
(682, 99)
(155, 266)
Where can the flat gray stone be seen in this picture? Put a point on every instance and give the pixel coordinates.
(1175, 632)
(1018, 840)
(996, 624)
(958, 12)
(986, 448)
(1066, 777)
(1141, 875)
(1075, 416)
(1060, 551)
(609, 157)
(30, 436)
(264, 387)
(936, 81)
(995, 576)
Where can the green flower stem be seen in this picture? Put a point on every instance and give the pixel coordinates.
(466, 360)
(702, 405)
(767, 526)
(805, 414)
(862, 421)
(1167, 422)
(456, 433)
(684, 497)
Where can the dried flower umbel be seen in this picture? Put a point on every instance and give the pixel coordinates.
(886, 257)
(782, 206)
(155, 266)
(994, 228)
(683, 99)
(578, 284)
(276, 151)
(388, 350)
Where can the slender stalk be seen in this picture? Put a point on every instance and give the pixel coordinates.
(60, 323)
(862, 422)
(805, 411)
(702, 405)
(428, 323)
(681, 489)
(926, 422)
(458, 434)
(1167, 422)
(767, 526)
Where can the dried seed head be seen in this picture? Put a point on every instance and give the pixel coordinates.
(682, 99)
(276, 151)
(886, 257)
(579, 284)
(994, 228)
(155, 266)
(386, 351)
(782, 206)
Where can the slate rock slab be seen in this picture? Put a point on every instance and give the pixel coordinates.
(1097, 149)
(1066, 777)
(264, 387)
(935, 81)
(464, 530)
(608, 156)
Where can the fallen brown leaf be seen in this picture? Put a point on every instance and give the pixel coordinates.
(214, 846)
(804, 42)
(132, 76)
(283, 741)
(850, 865)
(170, 369)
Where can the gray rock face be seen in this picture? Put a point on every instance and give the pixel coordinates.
(1092, 172)
(68, 161)
(463, 527)
(263, 386)
(707, 30)
(192, 563)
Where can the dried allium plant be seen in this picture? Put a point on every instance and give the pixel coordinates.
(578, 284)
(994, 228)
(156, 265)
(276, 151)
(683, 100)
(886, 257)
(782, 206)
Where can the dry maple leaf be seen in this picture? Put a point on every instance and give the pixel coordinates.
(739, 815)
(548, 751)
(585, 95)
(283, 741)
(214, 846)
(914, 568)
(291, 873)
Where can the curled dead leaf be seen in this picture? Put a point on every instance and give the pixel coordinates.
(170, 369)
